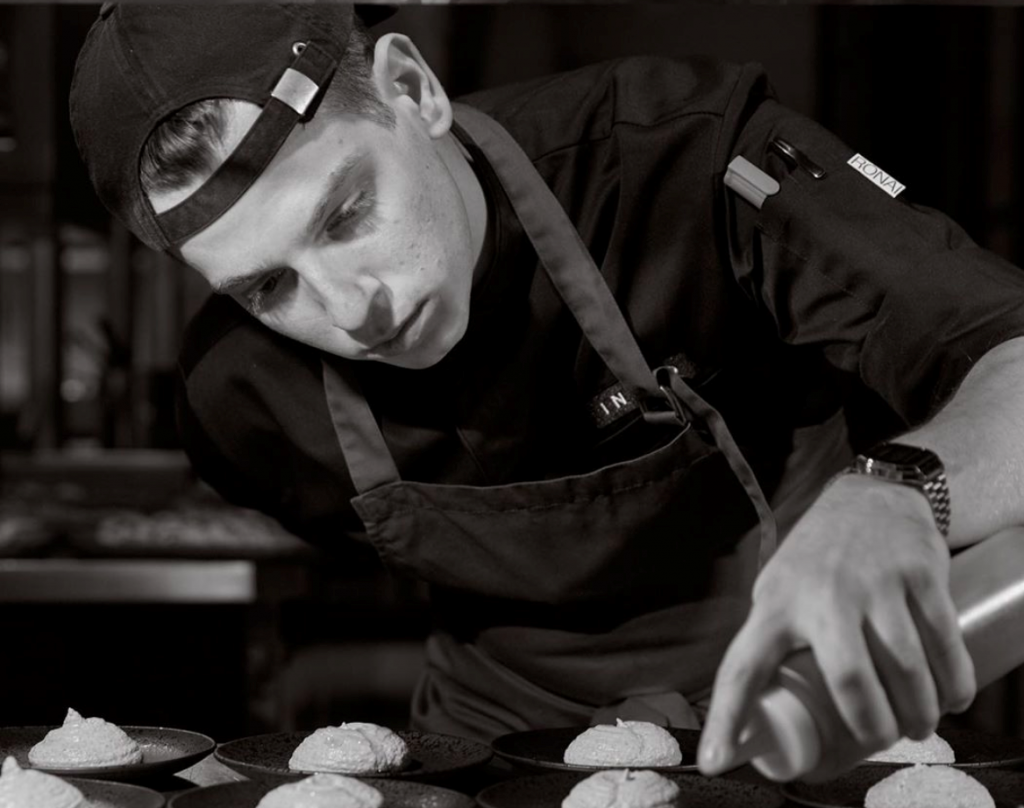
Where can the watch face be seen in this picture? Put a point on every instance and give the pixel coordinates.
(896, 453)
(906, 459)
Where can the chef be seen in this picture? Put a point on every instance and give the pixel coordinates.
(593, 356)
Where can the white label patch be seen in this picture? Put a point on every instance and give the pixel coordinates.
(884, 181)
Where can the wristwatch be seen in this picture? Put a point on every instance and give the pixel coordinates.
(913, 466)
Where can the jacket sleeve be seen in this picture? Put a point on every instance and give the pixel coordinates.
(889, 290)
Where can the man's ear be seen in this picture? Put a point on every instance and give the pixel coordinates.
(401, 74)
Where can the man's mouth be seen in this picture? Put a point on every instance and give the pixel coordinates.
(395, 342)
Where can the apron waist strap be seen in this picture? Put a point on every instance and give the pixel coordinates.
(464, 691)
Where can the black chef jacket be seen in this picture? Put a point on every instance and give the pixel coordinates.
(778, 319)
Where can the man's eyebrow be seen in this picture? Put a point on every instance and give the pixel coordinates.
(335, 180)
(228, 285)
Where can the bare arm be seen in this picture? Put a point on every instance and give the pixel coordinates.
(862, 579)
(979, 435)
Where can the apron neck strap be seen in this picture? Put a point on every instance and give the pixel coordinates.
(579, 283)
(561, 251)
(568, 264)
(366, 454)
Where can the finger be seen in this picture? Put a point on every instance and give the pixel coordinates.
(862, 703)
(939, 629)
(748, 665)
(892, 638)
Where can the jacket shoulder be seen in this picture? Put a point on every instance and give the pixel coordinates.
(565, 109)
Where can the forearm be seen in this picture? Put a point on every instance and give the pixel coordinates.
(979, 435)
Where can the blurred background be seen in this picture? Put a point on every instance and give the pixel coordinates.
(130, 591)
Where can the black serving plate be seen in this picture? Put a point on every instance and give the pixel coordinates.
(545, 749)
(849, 790)
(265, 757)
(976, 750)
(397, 794)
(109, 794)
(695, 791)
(165, 751)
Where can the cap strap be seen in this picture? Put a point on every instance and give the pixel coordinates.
(295, 89)
(294, 98)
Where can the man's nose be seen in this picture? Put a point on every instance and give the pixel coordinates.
(357, 303)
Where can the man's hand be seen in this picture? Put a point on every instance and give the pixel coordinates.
(862, 579)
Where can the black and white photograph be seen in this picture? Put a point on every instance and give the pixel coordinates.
(512, 404)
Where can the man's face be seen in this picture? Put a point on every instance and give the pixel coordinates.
(355, 240)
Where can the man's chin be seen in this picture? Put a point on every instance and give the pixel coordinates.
(419, 359)
(426, 356)
(417, 362)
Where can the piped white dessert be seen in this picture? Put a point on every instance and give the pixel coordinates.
(28, 788)
(623, 788)
(82, 743)
(634, 744)
(933, 749)
(928, 786)
(351, 748)
(323, 791)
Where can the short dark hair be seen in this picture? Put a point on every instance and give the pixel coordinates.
(183, 148)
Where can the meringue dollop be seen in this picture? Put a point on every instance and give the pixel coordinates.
(82, 743)
(28, 788)
(926, 785)
(626, 743)
(623, 788)
(351, 748)
(323, 791)
(933, 749)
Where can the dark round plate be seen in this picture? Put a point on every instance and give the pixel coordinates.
(978, 750)
(545, 749)
(106, 794)
(397, 794)
(265, 757)
(164, 752)
(695, 791)
(848, 791)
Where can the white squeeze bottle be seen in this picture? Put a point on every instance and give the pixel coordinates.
(796, 725)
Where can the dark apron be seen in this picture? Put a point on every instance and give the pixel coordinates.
(578, 599)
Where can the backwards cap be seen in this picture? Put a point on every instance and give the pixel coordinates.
(142, 62)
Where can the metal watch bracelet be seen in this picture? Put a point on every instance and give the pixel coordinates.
(937, 493)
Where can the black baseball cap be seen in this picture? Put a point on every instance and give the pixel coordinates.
(142, 62)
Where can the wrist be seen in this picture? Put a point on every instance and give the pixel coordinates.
(909, 469)
(876, 493)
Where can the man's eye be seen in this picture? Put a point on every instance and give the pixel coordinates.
(258, 298)
(348, 219)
